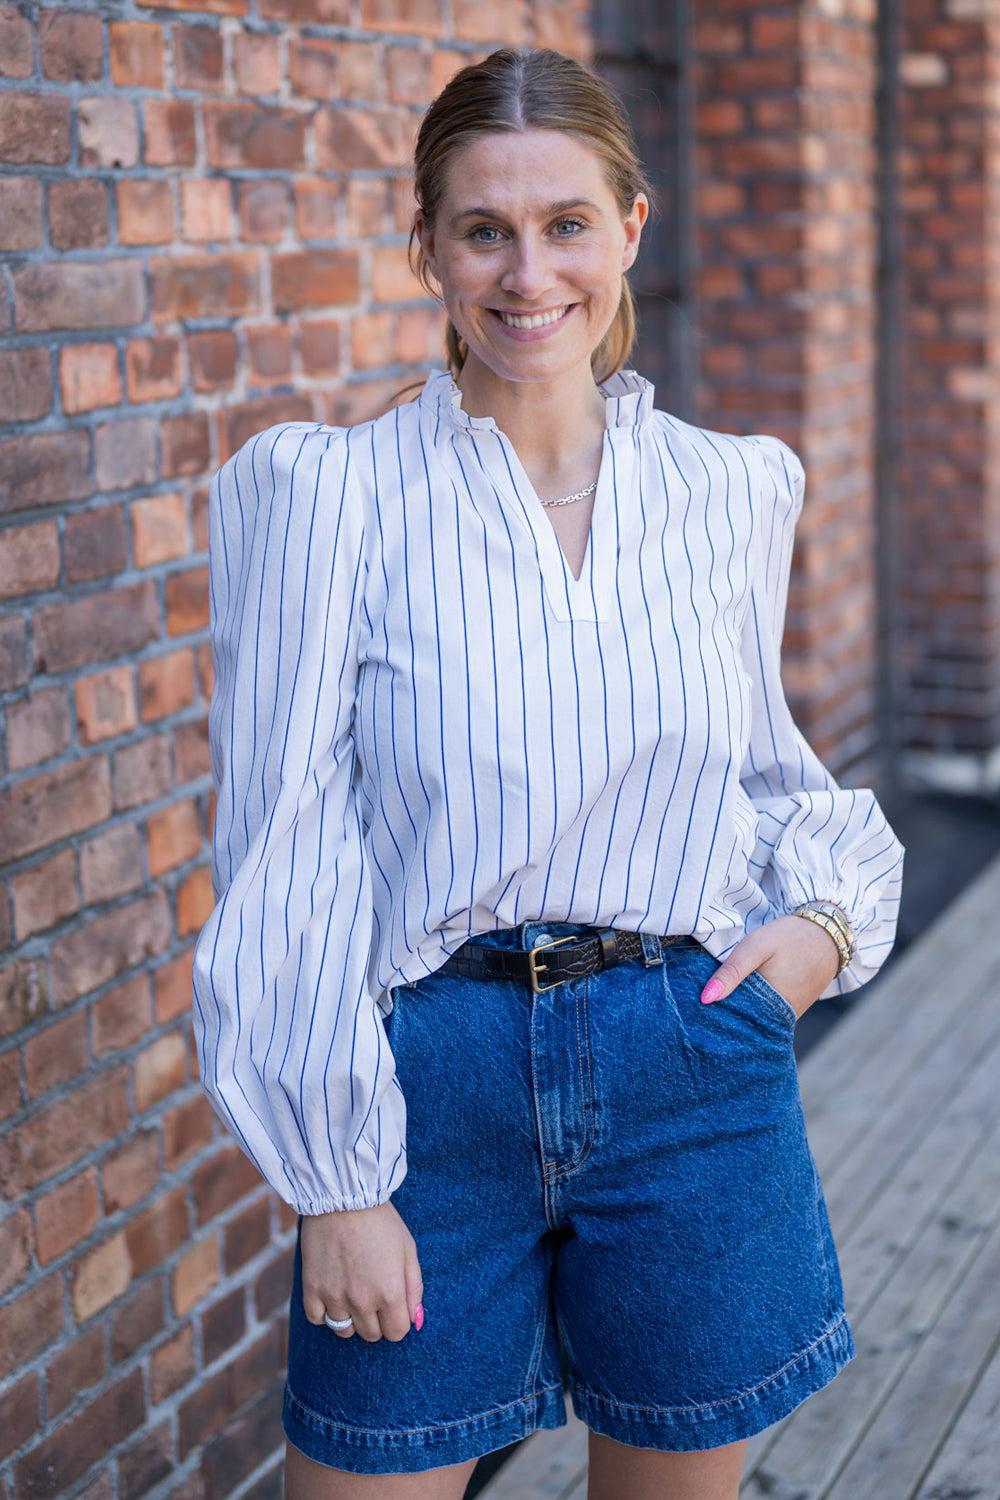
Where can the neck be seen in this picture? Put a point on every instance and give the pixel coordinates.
(554, 425)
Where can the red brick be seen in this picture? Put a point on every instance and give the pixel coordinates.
(35, 128)
(10, 1104)
(111, 864)
(45, 893)
(142, 772)
(94, 543)
(75, 1368)
(366, 213)
(71, 1212)
(16, 43)
(78, 294)
(14, 655)
(250, 135)
(53, 1056)
(212, 358)
(122, 1015)
(108, 131)
(160, 1070)
(160, 532)
(319, 346)
(54, 805)
(309, 12)
(136, 54)
(237, 423)
(166, 684)
(194, 893)
(193, 760)
(187, 1130)
(324, 69)
(263, 210)
(184, 440)
(43, 469)
(314, 278)
(100, 949)
(211, 7)
(172, 988)
(256, 62)
(22, 995)
(29, 559)
(204, 286)
(20, 1403)
(146, 1462)
(88, 377)
(153, 369)
(38, 728)
(159, 1230)
(316, 208)
(145, 212)
(96, 627)
(82, 1440)
(70, 45)
(16, 1242)
(391, 277)
(270, 350)
(78, 214)
(168, 128)
(125, 453)
(174, 835)
(105, 703)
(30, 1321)
(20, 208)
(409, 75)
(198, 57)
(25, 383)
(207, 209)
(172, 1365)
(130, 1173)
(186, 599)
(360, 139)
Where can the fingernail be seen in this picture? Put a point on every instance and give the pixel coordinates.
(418, 1317)
(712, 991)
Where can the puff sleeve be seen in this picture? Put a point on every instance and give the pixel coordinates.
(814, 837)
(292, 1050)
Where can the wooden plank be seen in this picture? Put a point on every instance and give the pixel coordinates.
(923, 1267)
(969, 1463)
(547, 1465)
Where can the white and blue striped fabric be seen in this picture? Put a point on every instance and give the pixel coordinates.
(424, 727)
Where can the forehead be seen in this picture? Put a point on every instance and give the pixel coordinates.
(524, 171)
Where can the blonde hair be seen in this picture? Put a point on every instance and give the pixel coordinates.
(529, 88)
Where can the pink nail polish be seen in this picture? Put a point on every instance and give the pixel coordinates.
(418, 1317)
(712, 991)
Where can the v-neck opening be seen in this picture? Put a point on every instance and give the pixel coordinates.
(586, 597)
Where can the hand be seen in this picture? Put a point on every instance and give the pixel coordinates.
(361, 1263)
(797, 957)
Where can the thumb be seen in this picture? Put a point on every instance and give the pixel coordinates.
(731, 972)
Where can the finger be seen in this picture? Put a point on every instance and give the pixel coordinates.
(730, 973)
(414, 1289)
(341, 1333)
(366, 1324)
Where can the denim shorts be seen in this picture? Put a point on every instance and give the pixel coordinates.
(608, 1182)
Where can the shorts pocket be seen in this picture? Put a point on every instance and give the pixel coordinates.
(775, 999)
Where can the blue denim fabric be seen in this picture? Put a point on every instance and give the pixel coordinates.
(608, 1168)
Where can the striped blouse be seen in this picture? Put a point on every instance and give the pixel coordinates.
(423, 726)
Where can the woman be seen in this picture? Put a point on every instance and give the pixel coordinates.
(524, 872)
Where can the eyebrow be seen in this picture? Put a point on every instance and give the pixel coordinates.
(553, 208)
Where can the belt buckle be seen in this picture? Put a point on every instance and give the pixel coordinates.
(534, 965)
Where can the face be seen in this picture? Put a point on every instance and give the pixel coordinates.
(528, 225)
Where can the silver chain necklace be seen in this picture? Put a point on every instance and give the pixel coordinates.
(567, 498)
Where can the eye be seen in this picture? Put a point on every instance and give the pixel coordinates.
(474, 232)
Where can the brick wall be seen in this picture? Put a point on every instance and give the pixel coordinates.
(203, 220)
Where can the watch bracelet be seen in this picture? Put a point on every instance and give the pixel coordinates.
(837, 913)
(832, 927)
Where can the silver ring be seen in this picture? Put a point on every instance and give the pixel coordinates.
(337, 1322)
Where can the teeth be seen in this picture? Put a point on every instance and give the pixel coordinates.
(538, 321)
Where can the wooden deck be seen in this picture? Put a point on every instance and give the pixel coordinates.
(902, 1100)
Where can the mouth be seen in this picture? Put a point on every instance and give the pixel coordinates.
(532, 325)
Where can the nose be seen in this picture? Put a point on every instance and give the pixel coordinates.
(526, 274)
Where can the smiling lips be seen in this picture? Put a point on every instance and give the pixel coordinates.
(530, 322)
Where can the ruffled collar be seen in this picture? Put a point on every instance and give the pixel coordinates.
(629, 401)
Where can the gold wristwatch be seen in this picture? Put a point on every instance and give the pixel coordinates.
(833, 919)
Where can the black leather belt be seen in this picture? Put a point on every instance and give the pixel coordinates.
(570, 957)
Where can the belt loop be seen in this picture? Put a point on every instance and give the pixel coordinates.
(652, 953)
